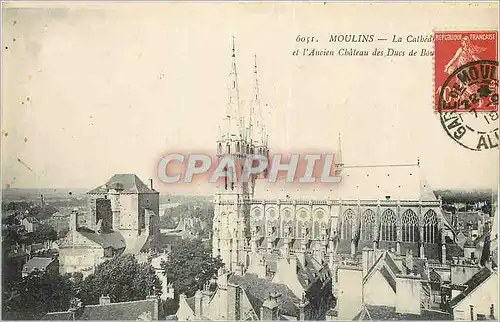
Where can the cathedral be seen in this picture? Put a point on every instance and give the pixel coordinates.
(385, 207)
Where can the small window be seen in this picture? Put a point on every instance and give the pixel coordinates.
(459, 315)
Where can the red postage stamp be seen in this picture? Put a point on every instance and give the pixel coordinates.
(465, 71)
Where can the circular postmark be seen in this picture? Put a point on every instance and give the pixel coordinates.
(468, 105)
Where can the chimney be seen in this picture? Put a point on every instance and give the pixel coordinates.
(367, 258)
(409, 261)
(350, 291)
(198, 304)
(73, 220)
(302, 308)
(269, 310)
(151, 184)
(409, 294)
(261, 267)
(104, 299)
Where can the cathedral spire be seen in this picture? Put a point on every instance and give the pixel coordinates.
(339, 160)
(234, 120)
(256, 126)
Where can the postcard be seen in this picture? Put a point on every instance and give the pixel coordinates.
(249, 161)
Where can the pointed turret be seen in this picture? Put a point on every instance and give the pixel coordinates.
(338, 161)
(234, 118)
(256, 129)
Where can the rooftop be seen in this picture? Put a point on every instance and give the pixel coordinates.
(473, 283)
(258, 290)
(129, 182)
(133, 310)
(387, 313)
(38, 263)
(113, 239)
(399, 181)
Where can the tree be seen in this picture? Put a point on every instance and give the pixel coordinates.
(122, 278)
(41, 234)
(191, 266)
(31, 297)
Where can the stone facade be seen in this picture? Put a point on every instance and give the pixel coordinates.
(381, 206)
(122, 216)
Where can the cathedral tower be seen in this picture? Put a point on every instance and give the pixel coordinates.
(240, 136)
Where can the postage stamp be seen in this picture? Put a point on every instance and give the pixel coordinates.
(466, 87)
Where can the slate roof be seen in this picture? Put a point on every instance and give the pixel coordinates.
(309, 273)
(473, 283)
(403, 181)
(387, 313)
(37, 263)
(113, 311)
(130, 182)
(386, 258)
(258, 289)
(113, 239)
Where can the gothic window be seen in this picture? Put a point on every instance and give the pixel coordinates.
(256, 215)
(320, 214)
(388, 225)
(287, 214)
(237, 147)
(347, 224)
(271, 214)
(430, 227)
(409, 229)
(219, 148)
(367, 225)
(303, 215)
(228, 148)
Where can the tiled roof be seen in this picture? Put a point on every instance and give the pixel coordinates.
(113, 239)
(403, 182)
(474, 282)
(119, 311)
(130, 182)
(37, 263)
(387, 313)
(258, 289)
(309, 273)
(133, 310)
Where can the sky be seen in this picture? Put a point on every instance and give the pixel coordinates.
(94, 89)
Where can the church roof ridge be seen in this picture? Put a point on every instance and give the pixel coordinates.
(381, 165)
